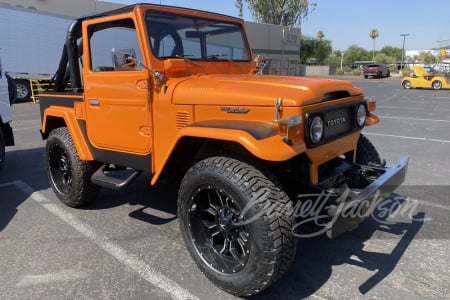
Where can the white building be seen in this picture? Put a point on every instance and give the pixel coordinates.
(280, 43)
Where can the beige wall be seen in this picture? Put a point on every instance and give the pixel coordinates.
(72, 8)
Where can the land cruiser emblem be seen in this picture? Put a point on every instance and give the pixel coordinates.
(235, 110)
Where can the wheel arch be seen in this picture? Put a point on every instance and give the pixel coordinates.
(201, 142)
(55, 117)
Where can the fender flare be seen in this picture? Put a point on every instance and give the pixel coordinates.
(70, 121)
(258, 138)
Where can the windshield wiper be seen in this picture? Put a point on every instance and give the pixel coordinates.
(191, 61)
(221, 56)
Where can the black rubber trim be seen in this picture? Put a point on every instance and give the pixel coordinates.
(46, 102)
(258, 130)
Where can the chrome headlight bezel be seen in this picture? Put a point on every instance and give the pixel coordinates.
(316, 129)
(361, 113)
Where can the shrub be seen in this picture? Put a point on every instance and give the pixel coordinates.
(340, 72)
(347, 69)
(356, 72)
(406, 72)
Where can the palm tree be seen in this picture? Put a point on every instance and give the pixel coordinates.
(374, 33)
(320, 35)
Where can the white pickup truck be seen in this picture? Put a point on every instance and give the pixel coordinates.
(7, 98)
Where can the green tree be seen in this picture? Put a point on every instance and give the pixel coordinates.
(383, 58)
(356, 53)
(320, 35)
(280, 12)
(310, 48)
(374, 34)
(307, 46)
(427, 58)
(323, 50)
(392, 52)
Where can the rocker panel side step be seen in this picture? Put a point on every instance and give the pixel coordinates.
(103, 179)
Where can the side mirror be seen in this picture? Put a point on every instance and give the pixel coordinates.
(124, 59)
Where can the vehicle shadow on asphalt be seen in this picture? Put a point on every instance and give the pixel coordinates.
(158, 204)
(17, 167)
(315, 258)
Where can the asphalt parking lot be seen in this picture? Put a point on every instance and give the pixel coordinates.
(128, 245)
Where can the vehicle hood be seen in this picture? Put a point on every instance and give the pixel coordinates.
(259, 90)
(420, 71)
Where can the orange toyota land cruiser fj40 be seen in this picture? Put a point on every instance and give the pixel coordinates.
(175, 92)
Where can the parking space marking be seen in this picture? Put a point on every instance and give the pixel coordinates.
(427, 203)
(415, 119)
(66, 275)
(424, 101)
(407, 137)
(412, 108)
(132, 261)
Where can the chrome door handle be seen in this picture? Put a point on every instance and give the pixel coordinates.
(94, 102)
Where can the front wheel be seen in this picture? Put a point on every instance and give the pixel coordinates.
(233, 226)
(406, 84)
(366, 153)
(69, 176)
(436, 85)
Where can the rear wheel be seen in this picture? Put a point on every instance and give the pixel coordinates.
(232, 224)
(69, 176)
(366, 153)
(436, 85)
(23, 90)
(406, 84)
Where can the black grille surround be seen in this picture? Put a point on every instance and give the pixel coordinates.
(338, 121)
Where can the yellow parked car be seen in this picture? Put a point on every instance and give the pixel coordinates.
(422, 79)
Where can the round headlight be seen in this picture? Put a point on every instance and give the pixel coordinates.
(316, 129)
(361, 115)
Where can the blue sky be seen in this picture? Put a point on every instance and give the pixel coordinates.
(348, 22)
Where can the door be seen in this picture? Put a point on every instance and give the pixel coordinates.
(118, 107)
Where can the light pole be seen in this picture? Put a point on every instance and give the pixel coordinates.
(342, 58)
(404, 35)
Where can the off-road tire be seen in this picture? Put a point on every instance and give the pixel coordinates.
(2, 148)
(366, 153)
(69, 177)
(219, 191)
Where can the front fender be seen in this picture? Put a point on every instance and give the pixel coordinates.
(69, 118)
(259, 138)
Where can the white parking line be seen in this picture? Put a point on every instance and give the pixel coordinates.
(427, 203)
(130, 260)
(424, 101)
(412, 108)
(415, 119)
(408, 137)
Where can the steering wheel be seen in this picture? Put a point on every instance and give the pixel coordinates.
(163, 33)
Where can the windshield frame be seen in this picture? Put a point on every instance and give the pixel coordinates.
(196, 38)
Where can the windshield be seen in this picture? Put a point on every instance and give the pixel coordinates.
(195, 38)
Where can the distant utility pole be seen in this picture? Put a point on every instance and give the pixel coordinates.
(404, 35)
